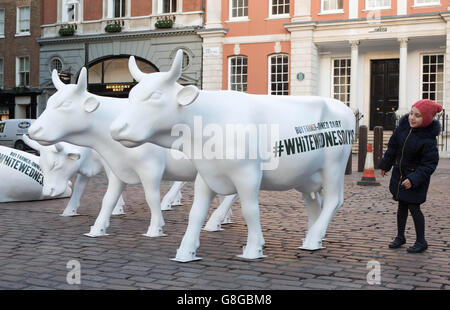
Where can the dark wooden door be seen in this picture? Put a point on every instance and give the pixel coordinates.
(384, 93)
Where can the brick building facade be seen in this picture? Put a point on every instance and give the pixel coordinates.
(105, 53)
(20, 22)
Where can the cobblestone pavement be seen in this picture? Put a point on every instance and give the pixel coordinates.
(36, 244)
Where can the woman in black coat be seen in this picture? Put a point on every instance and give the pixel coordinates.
(413, 153)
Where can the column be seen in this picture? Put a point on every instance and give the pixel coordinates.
(302, 11)
(402, 96)
(354, 76)
(213, 14)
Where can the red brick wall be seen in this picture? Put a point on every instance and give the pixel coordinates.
(193, 5)
(141, 7)
(93, 10)
(49, 12)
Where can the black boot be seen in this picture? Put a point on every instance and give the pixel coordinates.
(398, 242)
(417, 248)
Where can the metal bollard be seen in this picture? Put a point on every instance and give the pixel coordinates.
(377, 145)
(362, 147)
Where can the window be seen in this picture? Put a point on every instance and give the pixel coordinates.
(23, 19)
(167, 6)
(1, 73)
(426, 2)
(23, 71)
(433, 77)
(279, 7)
(378, 4)
(186, 60)
(332, 5)
(116, 8)
(238, 73)
(70, 11)
(2, 22)
(56, 63)
(341, 79)
(279, 75)
(239, 9)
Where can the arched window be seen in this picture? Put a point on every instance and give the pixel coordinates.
(111, 76)
(56, 63)
(237, 73)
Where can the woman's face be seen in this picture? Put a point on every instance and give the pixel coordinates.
(415, 118)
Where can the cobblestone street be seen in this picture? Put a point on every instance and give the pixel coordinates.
(36, 243)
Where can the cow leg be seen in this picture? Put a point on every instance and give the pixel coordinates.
(247, 186)
(313, 204)
(333, 198)
(173, 196)
(152, 196)
(115, 188)
(78, 190)
(222, 215)
(118, 209)
(203, 197)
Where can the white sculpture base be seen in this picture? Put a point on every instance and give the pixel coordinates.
(95, 232)
(251, 254)
(185, 257)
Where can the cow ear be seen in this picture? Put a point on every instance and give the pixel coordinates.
(74, 155)
(91, 104)
(187, 95)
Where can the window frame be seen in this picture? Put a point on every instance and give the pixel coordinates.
(437, 54)
(435, 3)
(64, 14)
(346, 76)
(238, 18)
(274, 16)
(2, 72)
(18, 21)
(367, 8)
(161, 6)
(2, 22)
(230, 73)
(269, 74)
(337, 11)
(51, 61)
(18, 72)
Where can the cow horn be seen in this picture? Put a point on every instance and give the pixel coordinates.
(136, 73)
(82, 80)
(56, 81)
(58, 147)
(175, 70)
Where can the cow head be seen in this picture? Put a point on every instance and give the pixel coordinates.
(157, 103)
(66, 111)
(59, 163)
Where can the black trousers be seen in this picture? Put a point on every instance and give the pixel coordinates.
(418, 218)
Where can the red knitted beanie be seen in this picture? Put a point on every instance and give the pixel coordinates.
(428, 109)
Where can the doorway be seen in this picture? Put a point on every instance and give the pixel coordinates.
(384, 88)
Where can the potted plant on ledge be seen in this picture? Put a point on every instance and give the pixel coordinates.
(67, 30)
(165, 22)
(113, 27)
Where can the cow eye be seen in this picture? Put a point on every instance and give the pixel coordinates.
(65, 104)
(155, 96)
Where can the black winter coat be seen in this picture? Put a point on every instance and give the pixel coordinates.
(414, 155)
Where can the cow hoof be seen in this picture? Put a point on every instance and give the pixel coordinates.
(213, 226)
(185, 256)
(119, 211)
(177, 203)
(95, 232)
(152, 233)
(70, 212)
(312, 246)
(252, 253)
(166, 207)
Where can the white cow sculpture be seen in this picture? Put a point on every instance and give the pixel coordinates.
(62, 161)
(78, 117)
(22, 179)
(315, 140)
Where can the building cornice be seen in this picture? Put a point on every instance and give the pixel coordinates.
(119, 36)
(212, 32)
